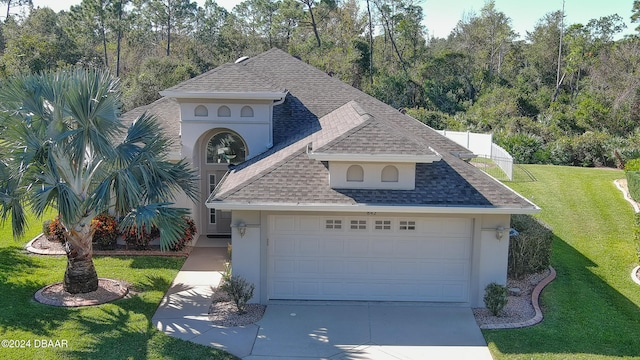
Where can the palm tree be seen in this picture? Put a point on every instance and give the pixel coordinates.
(64, 147)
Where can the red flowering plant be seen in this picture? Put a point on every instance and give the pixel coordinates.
(140, 240)
(106, 231)
(189, 232)
(56, 231)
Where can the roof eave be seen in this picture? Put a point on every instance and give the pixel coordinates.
(264, 95)
(488, 210)
(395, 158)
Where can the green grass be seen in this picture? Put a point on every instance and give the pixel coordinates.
(592, 308)
(119, 330)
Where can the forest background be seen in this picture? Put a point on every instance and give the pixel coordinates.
(563, 93)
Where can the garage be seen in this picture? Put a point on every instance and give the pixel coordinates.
(369, 258)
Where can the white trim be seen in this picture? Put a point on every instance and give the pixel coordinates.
(395, 158)
(374, 208)
(266, 95)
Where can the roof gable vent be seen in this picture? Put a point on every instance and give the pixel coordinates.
(241, 59)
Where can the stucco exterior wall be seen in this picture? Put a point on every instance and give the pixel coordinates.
(490, 255)
(247, 254)
(372, 176)
(256, 131)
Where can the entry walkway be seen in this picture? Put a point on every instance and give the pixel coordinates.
(183, 312)
(315, 330)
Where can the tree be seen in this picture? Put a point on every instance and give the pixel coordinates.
(64, 147)
(169, 15)
(38, 43)
(16, 3)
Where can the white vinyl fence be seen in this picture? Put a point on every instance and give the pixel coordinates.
(482, 145)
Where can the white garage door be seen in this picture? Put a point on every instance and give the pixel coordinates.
(369, 258)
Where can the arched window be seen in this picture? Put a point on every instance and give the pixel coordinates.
(201, 110)
(226, 147)
(355, 173)
(246, 111)
(389, 174)
(224, 111)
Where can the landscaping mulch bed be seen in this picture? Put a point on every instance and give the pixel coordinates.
(42, 246)
(108, 290)
(519, 307)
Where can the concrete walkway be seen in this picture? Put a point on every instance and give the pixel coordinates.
(315, 330)
(183, 312)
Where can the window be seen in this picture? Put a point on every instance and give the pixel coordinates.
(358, 225)
(201, 110)
(226, 148)
(332, 224)
(407, 225)
(224, 111)
(246, 111)
(383, 225)
(389, 174)
(212, 186)
(355, 173)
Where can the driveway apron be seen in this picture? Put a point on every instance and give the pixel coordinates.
(368, 331)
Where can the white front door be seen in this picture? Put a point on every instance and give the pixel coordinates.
(369, 258)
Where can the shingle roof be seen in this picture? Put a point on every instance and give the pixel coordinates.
(335, 117)
(227, 78)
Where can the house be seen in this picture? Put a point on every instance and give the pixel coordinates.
(330, 194)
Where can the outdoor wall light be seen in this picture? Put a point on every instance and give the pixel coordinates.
(242, 229)
(500, 232)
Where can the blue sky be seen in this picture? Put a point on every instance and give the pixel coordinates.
(442, 16)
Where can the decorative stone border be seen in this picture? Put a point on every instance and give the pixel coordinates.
(184, 253)
(626, 195)
(535, 295)
(100, 296)
(634, 275)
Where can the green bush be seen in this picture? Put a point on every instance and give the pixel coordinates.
(530, 250)
(636, 234)
(632, 165)
(633, 183)
(240, 291)
(495, 298)
(46, 230)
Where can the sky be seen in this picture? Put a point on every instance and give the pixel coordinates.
(441, 16)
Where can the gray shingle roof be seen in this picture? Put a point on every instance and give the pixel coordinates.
(335, 117)
(227, 78)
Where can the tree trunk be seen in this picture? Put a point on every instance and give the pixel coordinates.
(80, 276)
(370, 44)
(315, 26)
(8, 9)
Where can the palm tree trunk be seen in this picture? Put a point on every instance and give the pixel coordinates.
(80, 276)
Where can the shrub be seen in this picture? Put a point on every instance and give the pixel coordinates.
(46, 230)
(530, 250)
(240, 291)
(141, 240)
(636, 234)
(106, 232)
(495, 298)
(633, 183)
(187, 236)
(56, 231)
(632, 165)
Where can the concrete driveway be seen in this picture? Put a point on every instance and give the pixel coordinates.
(315, 330)
(368, 331)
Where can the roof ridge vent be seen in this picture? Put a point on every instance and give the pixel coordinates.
(241, 59)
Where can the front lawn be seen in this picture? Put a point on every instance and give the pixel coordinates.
(120, 330)
(592, 310)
